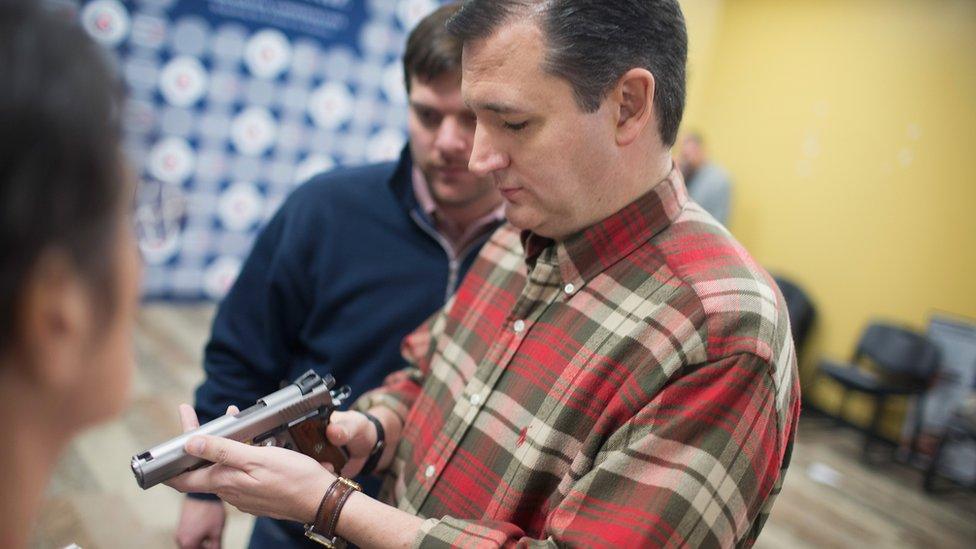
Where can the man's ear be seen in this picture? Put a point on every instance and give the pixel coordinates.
(633, 99)
(53, 323)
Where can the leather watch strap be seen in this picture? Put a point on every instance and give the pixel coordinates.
(327, 517)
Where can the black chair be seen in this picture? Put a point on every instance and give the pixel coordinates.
(889, 361)
(801, 310)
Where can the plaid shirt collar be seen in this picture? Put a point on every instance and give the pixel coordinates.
(583, 255)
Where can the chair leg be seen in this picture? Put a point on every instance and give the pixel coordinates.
(839, 420)
(913, 443)
(933, 469)
(874, 429)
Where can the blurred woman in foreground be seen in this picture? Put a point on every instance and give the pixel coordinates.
(68, 264)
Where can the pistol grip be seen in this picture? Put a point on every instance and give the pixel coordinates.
(309, 437)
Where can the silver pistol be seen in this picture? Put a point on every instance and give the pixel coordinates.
(294, 417)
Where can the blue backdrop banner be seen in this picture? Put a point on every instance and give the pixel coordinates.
(232, 103)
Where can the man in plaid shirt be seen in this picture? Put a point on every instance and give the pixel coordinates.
(615, 370)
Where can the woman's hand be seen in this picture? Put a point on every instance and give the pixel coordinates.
(260, 480)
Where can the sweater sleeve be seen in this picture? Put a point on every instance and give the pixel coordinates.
(258, 323)
(400, 389)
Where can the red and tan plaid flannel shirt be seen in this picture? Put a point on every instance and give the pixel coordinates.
(632, 385)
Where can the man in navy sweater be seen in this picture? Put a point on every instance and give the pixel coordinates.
(353, 261)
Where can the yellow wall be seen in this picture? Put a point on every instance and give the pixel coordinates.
(850, 129)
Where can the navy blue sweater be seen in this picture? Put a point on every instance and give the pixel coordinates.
(347, 267)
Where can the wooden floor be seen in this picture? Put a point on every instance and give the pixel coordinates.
(830, 498)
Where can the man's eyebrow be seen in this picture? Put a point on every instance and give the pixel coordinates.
(421, 105)
(499, 108)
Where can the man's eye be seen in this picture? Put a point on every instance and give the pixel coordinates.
(429, 118)
(515, 127)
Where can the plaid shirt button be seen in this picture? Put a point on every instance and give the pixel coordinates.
(569, 289)
(475, 399)
(430, 471)
(519, 326)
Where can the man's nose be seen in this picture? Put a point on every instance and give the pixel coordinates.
(485, 159)
(451, 137)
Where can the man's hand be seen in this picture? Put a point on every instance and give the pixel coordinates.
(357, 434)
(266, 481)
(201, 524)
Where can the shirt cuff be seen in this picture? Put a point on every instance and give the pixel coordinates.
(454, 532)
(424, 535)
(381, 398)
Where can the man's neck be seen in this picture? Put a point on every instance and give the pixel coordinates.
(638, 176)
(629, 181)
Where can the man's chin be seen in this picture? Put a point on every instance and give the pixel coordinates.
(528, 219)
(453, 193)
(453, 174)
(520, 217)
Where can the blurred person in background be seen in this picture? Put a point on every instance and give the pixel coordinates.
(352, 262)
(708, 183)
(69, 269)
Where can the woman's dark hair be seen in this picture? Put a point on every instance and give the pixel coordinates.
(592, 43)
(61, 181)
(431, 49)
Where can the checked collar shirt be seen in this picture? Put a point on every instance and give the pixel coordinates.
(632, 385)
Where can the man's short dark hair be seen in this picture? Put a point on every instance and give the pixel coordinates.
(60, 167)
(592, 43)
(431, 50)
